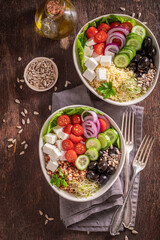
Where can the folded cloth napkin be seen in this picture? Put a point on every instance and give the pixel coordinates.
(96, 215)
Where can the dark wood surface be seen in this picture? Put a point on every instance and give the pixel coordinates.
(23, 188)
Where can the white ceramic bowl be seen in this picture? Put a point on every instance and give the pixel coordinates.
(103, 189)
(156, 62)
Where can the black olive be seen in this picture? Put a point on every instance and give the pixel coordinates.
(151, 60)
(93, 176)
(151, 51)
(101, 153)
(102, 179)
(137, 58)
(133, 66)
(139, 74)
(112, 151)
(147, 42)
(110, 170)
(92, 165)
(143, 52)
(102, 166)
(143, 63)
(146, 70)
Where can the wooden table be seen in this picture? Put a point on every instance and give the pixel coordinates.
(23, 189)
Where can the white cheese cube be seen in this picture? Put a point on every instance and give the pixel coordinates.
(62, 135)
(101, 74)
(86, 58)
(52, 166)
(96, 56)
(48, 148)
(105, 60)
(88, 51)
(90, 42)
(110, 54)
(57, 129)
(91, 63)
(59, 144)
(51, 138)
(63, 156)
(55, 154)
(89, 74)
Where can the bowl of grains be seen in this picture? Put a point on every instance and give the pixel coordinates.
(41, 74)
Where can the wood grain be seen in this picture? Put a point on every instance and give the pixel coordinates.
(23, 189)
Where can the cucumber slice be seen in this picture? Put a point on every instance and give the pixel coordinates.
(134, 35)
(105, 141)
(92, 153)
(135, 43)
(118, 143)
(141, 31)
(93, 143)
(112, 134)
(121, 60)
(131, 48)
(82, 162)
(128, 52)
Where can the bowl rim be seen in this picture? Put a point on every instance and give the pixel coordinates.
(41, 158)
(134, 101)
(34, 88)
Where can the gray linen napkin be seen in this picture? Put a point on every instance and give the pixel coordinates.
(96, 215)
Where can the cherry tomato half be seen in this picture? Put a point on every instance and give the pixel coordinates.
(127, 25)
(103, 27)
(77, 130)
(91, 31)
(71, 156)
(115, 24)
(76, 119)
(99, 48)
(67, 144)
(103, 125)
(68, 128)
(80, 148)
(100, 37)
(63, 120)
(75, 139)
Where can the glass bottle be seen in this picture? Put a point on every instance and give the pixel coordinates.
(55, 19)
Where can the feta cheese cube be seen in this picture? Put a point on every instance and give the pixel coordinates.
(59, 144)
(110, 54)
(105, 60)
(86, 58)
(101, 74)
(55, 154)
(63, 156)
(91, 63)
(52, 166)
(96, 56)
(90, 42)
(51, 138)
(89, 74)
(48, 148)
(57, 129)
(88, 51)
(62, 135)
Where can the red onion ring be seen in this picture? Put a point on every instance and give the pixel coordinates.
(105, 119)
(94, 115)
(89, 131)
(98, 126)
(113, 47)
(115, 29)
(116, 35)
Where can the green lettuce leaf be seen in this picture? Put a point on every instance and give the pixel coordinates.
(115, 18)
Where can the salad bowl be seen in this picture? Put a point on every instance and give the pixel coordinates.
(80, 59)
(44, 130)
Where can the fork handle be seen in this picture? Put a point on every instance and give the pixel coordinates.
(117, 218)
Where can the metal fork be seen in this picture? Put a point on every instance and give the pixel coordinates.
(139, 164)
(127, 129)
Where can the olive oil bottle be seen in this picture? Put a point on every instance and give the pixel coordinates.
(55, 19)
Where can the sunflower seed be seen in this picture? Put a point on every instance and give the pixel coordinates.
(144, 23)
(20, 86)
(46, 221)
(25, 146)
(25, 111)
(21, 80)
(11, 145)
(50, 219)
(35, 113)
(126, 237)
(23, 142)
(67, 83)
(50, 107)
(131, 228)
(10, 139)
(133, 14)
(28, 121)
(3, 120)
(139, 14)
(19, 127)
(20, 131)
(134, 231)
(21, 153)
(88, 232)
(14, 140)
(40, 212)
(122, 9)
(23, 114)
(55, 88)
(17, 79)
(19, 59)
(46, 216)
(17, 101)
(23, 121)
(118, 233)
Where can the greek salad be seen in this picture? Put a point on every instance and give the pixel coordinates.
(81, 150)
(116, 56)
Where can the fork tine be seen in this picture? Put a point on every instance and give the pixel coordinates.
(129, 128)
(126, 125)
(143, 149)
(147, 151)
(139, 149)
(122, 126)
(132, 139)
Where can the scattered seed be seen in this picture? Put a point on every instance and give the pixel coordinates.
(14, 140)
(50, 219)
(28, 121)
(40, 212)
(134, 231)
(20, 131)
(144, 23)
(23, 114)
(17, 101)
(67, 83)
(139, 14)
(3, 120)
(19, 127)
(35, 113)
(11, 145)
(122, 9)
(25, 146)
(88, 232)
(19, 59)
(23, 142)
(131, 228)
(55, 88)
(23, 121)
(21, 80)
(133, 14)
(50, 107)
(126, 237)
(10, 139)
(46, 221)
(25, 111)
(20, 86)
(118, 233)
(46, 216)
(17, 79)
(21, 153)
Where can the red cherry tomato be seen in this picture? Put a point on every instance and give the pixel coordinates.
(103, 27)
(84, 139)
(103, 125)
(68, 128)
(75, 139)
(76, 119)
(67, 144)
(63, 120)
(115, 24)
(71, 156)
(91, 31)
(99, 48)
(77, 130)
(100, 37)
(80, 148)
(127, 25)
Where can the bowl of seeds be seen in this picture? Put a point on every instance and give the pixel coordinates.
(41, 74)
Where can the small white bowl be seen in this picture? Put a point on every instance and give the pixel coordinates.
(103, 189)
(36, 88)
(156, 62)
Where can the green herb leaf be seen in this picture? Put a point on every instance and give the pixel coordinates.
(55, 180)
(60, 173)
(63, 182)
(106, 90)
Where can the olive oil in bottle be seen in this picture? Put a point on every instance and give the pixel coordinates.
(55, 19)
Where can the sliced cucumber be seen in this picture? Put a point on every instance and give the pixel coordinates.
(135, 43)
(121, 60)
(118, 142)
(134, 35)
(131, 48)
(128, 52)
(141, 31)
(82, 162)
(92, 153)
(105, 141)
(93, 143)
(112, 134)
